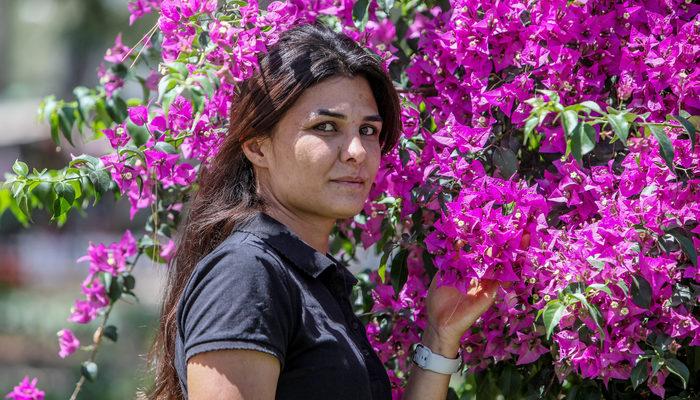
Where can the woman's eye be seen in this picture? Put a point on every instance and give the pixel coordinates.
(374, 130)
(324, 124)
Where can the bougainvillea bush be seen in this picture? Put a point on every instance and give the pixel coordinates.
(551, 144)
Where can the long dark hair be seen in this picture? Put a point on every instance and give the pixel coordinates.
(303, 56)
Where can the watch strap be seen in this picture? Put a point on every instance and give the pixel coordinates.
(430, 361)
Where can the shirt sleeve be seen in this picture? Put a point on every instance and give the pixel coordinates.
(238, 299)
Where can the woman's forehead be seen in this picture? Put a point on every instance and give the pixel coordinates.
(347, 96)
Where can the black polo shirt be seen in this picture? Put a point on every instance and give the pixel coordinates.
(265, 289)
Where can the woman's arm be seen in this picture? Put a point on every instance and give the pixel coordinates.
(428, 385)
(232, 375)
(450, 314)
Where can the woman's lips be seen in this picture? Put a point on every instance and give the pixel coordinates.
(353, 185)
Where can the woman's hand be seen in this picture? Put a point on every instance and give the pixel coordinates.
(451, 313)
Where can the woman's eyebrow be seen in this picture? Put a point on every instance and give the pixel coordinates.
(323, 111)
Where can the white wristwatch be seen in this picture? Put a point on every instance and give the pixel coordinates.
(430, 361)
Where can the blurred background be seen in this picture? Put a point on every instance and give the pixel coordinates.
(48, 47)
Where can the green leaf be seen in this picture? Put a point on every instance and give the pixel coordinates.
(641, 291)
(129, 281)
(582, 140)
(620, 125)
(665, 143)
(593, 106)
(599, 286)
(178, 68)
(689, 128)
(17, 187)
(553, 312)
(139, 134)
(165, 147)
(404, 156)
(20, 168)
(360, 13)
(506, 161)
(381, 271)
(153, 252)
(101, 180)
(639, 373)
(86, 101)
(656, 363)
(596, 262)
(90, 161)
(23, 203)
(677, 367)
(53, 123)
(166, 84)
(399, 270)
(686, 243)
(89, 370)
(115, 290)
(597, 316)
(60, 207)
(65, 190)
(510, 381)
(569, 120)
(205, 84)
(110, 332)
(530, 124)
(169, 97)
(622, 285)
(116, 108)
(66, 117)
(386, 5)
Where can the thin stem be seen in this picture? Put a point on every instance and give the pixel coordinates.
(98, 341)
(154, 213)
(660, 124)
(79, 385)
(148, 34)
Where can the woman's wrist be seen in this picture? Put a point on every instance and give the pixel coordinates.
(439, 344)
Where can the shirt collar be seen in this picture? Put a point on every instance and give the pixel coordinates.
(291, 246)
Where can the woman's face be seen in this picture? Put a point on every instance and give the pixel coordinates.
(329, 136)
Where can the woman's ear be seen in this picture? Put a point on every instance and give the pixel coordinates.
(256, 149)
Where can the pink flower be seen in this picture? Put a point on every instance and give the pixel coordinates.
(168, 251)
(138, 115)
(139, 8)
(67, 342)
(26, 391)
(109, 80)
(117, 53)
(118, 137)
(82, 312)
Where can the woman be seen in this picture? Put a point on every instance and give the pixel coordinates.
(255, 307)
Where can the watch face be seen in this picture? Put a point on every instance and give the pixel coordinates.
(420, 356)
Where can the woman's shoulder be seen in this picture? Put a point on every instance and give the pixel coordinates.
(242, 265)
(241, 254)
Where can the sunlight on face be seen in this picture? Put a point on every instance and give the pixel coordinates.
(331, 134)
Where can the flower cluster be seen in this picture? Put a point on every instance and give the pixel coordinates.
(606, 245)
(598, 226)
(110, 259)
(26, 390)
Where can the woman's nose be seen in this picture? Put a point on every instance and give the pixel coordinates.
(355, 149)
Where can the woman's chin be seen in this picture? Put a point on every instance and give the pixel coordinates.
(344, 212)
